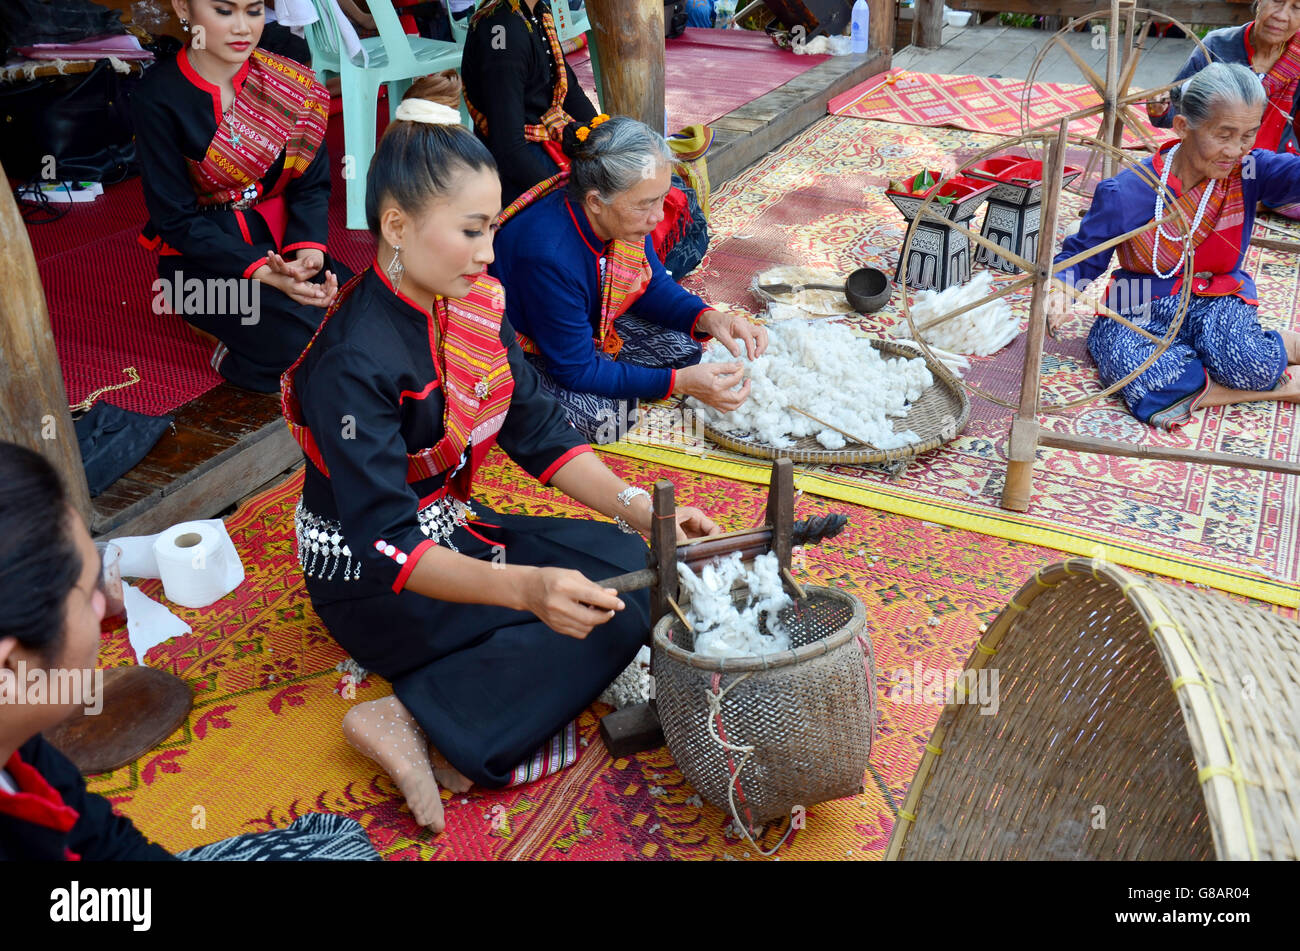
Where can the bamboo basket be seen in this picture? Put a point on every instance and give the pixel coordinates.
(1135, 720)
(937, 417)
(808, 713)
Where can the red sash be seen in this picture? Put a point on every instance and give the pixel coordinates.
(626, 274)
(1280, 84)
(1217, 242)
(474, 373)
(279, 107)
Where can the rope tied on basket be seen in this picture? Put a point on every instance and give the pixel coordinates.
(714, 697)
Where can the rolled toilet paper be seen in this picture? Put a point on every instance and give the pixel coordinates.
(193, 564)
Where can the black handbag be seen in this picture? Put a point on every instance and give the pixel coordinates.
(68, 128)
(28, 22)
(675, 18)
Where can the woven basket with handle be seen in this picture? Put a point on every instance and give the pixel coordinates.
(808, 713)
(1134, 720)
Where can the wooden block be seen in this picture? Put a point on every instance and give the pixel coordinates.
(142, 706)
(631, 730)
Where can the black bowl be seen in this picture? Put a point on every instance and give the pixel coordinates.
(868, 290)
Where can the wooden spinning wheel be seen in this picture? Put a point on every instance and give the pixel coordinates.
(1126, 30)
(1040, 274)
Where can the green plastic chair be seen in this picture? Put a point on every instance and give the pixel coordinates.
(395, 60)
(569, 24)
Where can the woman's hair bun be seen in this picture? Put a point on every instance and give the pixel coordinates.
(570, 144)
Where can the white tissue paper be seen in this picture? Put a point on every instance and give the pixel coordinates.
(148, 623)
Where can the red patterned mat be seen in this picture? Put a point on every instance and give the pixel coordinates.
(263, 743)
(98, 285)
(819, 201)
(977, 103)
(709, 73)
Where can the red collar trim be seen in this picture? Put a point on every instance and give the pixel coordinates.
(1250, 47)
(36, 801)
(379, 272)
(582, 232)
(1157, 163)
(192, 74)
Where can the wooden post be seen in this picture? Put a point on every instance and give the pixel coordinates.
(929, 24)
(663, 545)
(780, 510)
(630, 42)
(884, 20)
(1022, 444)
(33, 403)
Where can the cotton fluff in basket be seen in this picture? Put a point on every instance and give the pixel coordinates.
(723, 629)
(828, 371)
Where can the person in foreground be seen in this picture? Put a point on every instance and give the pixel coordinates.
(480, 619)
(1221, 354)
(596, 312)
(236, 182)
(49, 634)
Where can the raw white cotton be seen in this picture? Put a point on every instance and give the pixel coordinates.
(632, 686)
(957, 364)
(827, 370)
(982, 331)
(721, 628)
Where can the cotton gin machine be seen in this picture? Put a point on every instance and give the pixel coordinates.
(1133, 720)
(757, 736)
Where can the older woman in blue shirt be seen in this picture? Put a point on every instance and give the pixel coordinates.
(594, 308)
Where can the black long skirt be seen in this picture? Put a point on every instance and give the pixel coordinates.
(490, 685)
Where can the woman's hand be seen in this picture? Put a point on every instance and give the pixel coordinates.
(736, 332)
(568, 603)
(693, 523)
(1158, 106)
(712, 384)
(302, 292)
(304, 266)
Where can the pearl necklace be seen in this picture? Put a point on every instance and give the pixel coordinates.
(1160, 211)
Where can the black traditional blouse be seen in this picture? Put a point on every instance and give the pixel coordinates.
(370, 394)
(509, 77)
(176, 112)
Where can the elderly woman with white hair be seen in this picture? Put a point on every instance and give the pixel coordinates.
(595, 310)
(1221, 354)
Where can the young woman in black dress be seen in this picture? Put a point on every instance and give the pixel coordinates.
(487, 623)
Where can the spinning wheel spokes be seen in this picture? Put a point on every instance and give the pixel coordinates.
(1125, 45)
(1042, 276)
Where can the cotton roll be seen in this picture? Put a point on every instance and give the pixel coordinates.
(192, 564)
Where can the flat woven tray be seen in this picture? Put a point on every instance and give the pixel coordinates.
(937, 417)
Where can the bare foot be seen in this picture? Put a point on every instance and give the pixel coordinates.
(1288, 390)
(385, 731)
(448, 776)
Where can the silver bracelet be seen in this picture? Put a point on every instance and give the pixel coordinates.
(626, 497)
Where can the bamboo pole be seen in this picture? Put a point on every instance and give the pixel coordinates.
(33, 402)
(1022, 443)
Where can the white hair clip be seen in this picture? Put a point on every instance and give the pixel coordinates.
(424, 110)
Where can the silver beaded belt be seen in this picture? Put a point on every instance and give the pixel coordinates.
(322, 548)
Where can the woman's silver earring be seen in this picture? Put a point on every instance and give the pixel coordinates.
(185, 24)
(396, 268)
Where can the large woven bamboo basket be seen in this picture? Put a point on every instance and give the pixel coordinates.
(1135, 720)
(808, 713)
(937, 417)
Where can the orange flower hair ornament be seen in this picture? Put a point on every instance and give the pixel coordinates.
(584, 131)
